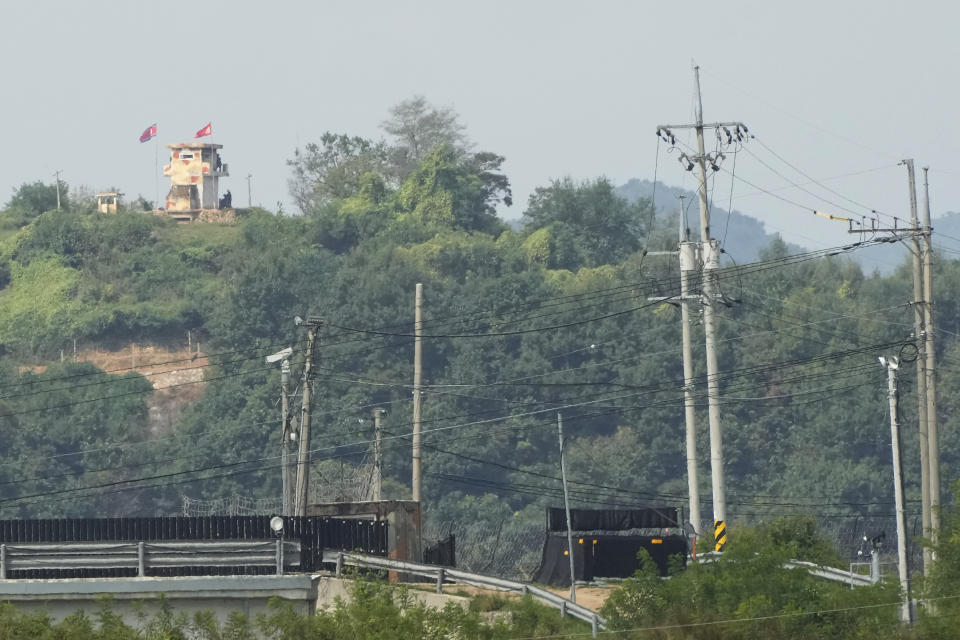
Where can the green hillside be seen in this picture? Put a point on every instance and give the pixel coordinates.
(519, 324)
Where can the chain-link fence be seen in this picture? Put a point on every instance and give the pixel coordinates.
(505, 549)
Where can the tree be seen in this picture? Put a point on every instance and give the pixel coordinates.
(334, 169)
(458, 190)
(589, 225)
(417, 128)
(33, 199)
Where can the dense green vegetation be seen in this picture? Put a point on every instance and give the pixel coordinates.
(520, 323)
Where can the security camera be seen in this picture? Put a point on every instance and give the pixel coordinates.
(280, 355)
(297, 320)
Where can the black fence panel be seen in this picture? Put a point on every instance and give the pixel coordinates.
(314, 533)
(443, 553)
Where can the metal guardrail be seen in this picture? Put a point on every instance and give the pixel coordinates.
(446, 574)
(848, 577)
(829, 573)
(282, 554)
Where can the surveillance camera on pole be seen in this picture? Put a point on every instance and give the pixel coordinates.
(286, 435)
(280, 355)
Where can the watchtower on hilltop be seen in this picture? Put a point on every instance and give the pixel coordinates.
(195, 170)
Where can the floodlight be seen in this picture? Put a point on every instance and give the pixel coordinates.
(280, 355)
(276, 524)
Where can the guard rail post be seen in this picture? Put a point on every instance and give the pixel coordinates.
(440, 576)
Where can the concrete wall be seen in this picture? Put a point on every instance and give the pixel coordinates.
(219, 594)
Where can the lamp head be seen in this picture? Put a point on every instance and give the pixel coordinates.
(279, 355)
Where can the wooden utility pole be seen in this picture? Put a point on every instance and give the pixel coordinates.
(566, 507)
(710, 258)
(417, 381)
(688, 265)
(377, 455)
(933, 430)
(303, 458)
(892, 364)
(920, 331)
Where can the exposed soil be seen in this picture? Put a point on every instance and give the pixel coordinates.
(177, 376)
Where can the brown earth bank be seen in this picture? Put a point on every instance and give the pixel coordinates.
(177, 376)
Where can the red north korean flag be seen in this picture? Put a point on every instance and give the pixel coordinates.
(206, 131)
(149, 133)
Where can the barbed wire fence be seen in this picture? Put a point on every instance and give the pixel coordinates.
(330, 481)
(230, 506)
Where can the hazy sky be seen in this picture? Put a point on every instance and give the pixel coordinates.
(559, 88)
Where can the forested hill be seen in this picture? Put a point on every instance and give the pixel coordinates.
(742, 236)
(519, 324)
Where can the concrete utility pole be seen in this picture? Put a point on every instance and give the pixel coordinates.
(417, 379)
(377, 455)
(709, 254)
(249, 191)
(920, 331)
(56, 174)
(566, 507)
(933, 430)
(688, 264)
(285, 436)
(711, 262)
(285, 425)
(891, 364)
(303, 457)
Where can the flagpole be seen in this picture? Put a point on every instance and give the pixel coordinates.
(156, 173)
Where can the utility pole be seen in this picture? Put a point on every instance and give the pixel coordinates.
(285, 436)
(709, 254)
(285, 418)
(56, 174)
(688, 264)
(285, 425)
(923, 329)
(249, 192)
(566, 507)
(303, 457)
(933, 430)
(891, 364)
(688, 255)
(377, 455)
(417, 380)
(919, 330)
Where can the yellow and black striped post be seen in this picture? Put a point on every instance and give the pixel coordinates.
(719, 535)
